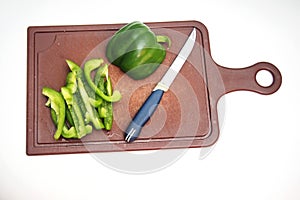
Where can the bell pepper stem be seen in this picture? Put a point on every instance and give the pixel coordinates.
(163, 39)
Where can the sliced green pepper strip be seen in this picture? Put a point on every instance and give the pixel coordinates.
(102, 111)
(108, 120)
(109, 89)
(71, 82)
(88, 68)
(82, 129)
(57, 103)
(66, 133)
(74, 68)
(79, 74)
(101, 82)
(69, 133)
(69, 98)
(72, 98)
(91, 111)
(95, 103)
(101, 72)
(69, 118)
(106, 108)
(67, 94)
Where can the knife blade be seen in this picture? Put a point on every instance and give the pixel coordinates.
(147, 109)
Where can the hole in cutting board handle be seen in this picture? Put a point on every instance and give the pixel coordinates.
(267, 78)
(264, 78)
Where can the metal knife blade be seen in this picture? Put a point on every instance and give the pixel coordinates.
(150, 105)
(178, 63)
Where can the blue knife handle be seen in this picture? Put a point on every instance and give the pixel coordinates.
(143, 115)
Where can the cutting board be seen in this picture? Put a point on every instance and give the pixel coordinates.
(187, 115)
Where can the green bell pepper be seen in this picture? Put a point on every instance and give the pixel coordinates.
(136, 50)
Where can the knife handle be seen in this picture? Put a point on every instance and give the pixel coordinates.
(143, 115)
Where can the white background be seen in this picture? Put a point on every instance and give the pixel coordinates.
(258, 153)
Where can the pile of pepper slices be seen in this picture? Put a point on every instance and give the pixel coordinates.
(82, 101)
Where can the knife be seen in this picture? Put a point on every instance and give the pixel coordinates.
(147, 109)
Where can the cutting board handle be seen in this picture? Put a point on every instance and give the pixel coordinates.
(236, 79)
